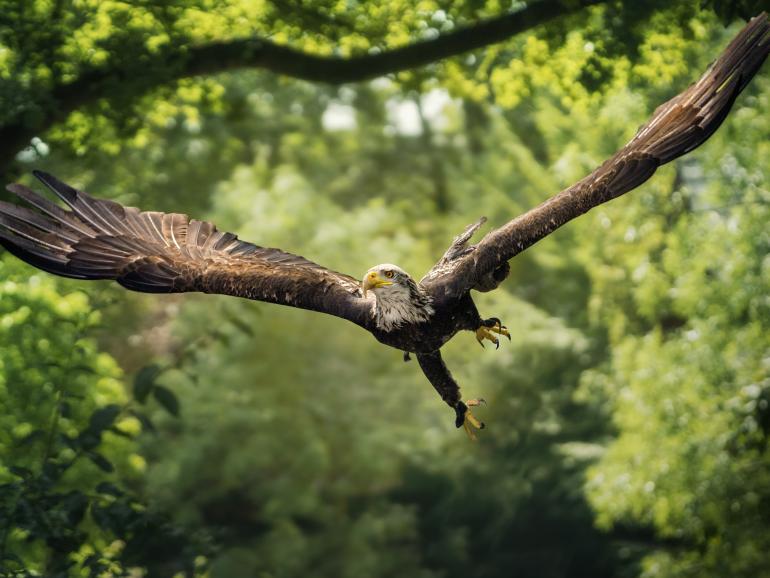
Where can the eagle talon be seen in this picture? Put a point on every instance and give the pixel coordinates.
(466, 419)
(488, 329)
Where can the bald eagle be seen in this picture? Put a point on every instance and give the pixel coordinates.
(167, 253)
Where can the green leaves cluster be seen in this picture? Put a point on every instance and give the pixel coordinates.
(687, 379)
(68, 449)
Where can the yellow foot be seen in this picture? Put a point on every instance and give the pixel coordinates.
(466, 419)
(488, 329)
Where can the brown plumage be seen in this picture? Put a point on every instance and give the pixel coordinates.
(164, 253)
(676, 128)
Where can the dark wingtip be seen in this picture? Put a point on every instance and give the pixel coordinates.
(63, 190)
(44, 177)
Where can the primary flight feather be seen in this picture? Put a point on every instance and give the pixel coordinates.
(170, 253)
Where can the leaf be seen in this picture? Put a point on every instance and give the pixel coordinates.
(109, 489)
(13, 558)
(91, 562)
(53, 471)
(144, 381)
(21, 472)
(101, 462)
(75, 504)
(167, 399)
(101, 516)
(147, 425)
(85, 369)
(70, 442)
(31, 437)
(103, 418)
(121, 433)
(88, 440)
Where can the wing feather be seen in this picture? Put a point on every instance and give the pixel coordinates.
(676, 128)
(165, 252)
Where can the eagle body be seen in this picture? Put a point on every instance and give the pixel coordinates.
(156, 252)
(430, 335)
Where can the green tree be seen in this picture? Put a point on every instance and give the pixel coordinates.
(68, 459)
(683, 295)
(59, 58)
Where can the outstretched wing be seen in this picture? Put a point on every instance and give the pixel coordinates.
(677, 127)
(165, 253)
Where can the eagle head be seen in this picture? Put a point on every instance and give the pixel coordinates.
(385, 277)
(398, 299)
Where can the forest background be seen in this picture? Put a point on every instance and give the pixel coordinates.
(197, 435)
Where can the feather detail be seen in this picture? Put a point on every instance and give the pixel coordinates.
(402, 303)
(165, 252)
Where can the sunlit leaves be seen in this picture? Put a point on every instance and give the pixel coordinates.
(67, 438)
(681, 292)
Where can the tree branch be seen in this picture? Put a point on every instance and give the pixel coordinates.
(258, 53)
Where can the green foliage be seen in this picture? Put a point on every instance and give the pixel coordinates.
(688, 377)
(129, 49)
(49, 368)
(68, 450)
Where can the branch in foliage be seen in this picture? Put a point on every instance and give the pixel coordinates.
(258, 53)
(138, 75)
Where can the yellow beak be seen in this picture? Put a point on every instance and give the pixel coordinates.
(372, 280)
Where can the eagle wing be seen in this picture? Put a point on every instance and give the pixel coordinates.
(676, 128)
(157, 252)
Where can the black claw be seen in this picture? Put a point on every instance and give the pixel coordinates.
(497, 344)
(406, 356)
(482, 345)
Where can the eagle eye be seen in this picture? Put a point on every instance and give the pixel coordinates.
(389, 274)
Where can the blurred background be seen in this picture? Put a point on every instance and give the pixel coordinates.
(191, 435)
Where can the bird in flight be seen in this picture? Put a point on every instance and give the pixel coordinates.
(170, 253)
